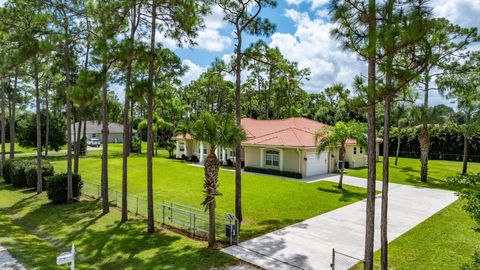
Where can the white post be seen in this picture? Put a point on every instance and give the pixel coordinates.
(299, 160)
(224, 155)
(178, 149)
(201, 152)
(262, 157)
(281, 159)
(72, 265)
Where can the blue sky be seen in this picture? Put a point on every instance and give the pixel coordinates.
(302, 35)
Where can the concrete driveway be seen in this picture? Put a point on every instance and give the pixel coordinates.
(309, 244)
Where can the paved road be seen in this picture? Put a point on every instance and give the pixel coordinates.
(309, 244)
(7, 262)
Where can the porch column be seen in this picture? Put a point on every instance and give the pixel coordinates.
(262, 157)
(224, 158)
(281, 159)
(185, 148)
(178, 149)
(201, 152)
(299, 160)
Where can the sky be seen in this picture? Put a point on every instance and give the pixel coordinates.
(303, 35)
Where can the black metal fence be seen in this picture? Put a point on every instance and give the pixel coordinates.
(437, 156)
(190, 219)
(342, 261)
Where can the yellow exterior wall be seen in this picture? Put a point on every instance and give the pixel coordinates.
(252, 156)
(290, 158)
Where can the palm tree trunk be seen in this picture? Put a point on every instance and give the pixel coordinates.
(399, 138)
(340, 182)
(47, 123)
(424, 136)
(105, 131)
(370, 211)
(12, 116)
(238, 115)
(151, 74)
(210, 185)
(68, 115)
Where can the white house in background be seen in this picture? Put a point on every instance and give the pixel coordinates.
(94, 130)
(283, 145)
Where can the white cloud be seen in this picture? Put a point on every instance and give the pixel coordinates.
(194, 71)
(313, 47)
(462, 12)
(210, 37)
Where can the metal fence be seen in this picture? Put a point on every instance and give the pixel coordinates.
(436, 156)
(342, 261)
(193, 220)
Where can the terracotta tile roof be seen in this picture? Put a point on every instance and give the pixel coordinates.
(291, 132)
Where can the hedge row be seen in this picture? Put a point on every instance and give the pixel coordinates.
(446, 142)
(23, 172)
(274, 172)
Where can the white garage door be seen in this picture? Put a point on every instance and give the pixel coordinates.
(317, 164)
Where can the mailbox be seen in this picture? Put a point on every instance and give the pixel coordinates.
(64, 258)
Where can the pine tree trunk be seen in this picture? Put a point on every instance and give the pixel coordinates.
(105, 131)
(126, 123)
(372, 158)
(238, 114)
(399, 138)
(39, 128)
(77, 145)
(12, 116)
(151, 74)
(47, 123)
(465, 152)
(385, 182)
(3, 128)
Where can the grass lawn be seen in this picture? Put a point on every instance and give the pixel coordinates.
(269, 203)
(408, 172)
(35, 232)
(444, 241)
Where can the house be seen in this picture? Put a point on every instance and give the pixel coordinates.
(286, 145)
(94, 130)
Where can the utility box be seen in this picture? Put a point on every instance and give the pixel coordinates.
(231, 232)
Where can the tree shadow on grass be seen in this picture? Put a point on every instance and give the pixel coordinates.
(346, 195)
(104, 242)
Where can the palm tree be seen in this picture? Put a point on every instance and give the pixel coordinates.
(332, 138)
(220, 131)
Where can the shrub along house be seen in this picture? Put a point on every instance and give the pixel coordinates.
(284, 147)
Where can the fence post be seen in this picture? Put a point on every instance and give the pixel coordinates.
(194, 223)
(190, 222)
(171, 212)
(136, 211)
(163, 211)
(333, 259)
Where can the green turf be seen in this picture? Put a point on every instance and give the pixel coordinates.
(269, 202)
(408, 172)
(443, 242)
(35, 232)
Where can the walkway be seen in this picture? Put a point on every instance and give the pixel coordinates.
(308, 244)
(7, 262)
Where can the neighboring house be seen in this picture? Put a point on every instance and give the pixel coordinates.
(284, 145)
(94, 130)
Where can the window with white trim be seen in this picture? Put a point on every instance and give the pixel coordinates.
(272, 158)
(181, 147)
(361, 150)
(354, 150)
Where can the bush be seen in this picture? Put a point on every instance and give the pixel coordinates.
(17, 172)
(57, 187)
(31, 174)
(7, 169)
(194, 159)
(83, 146)
(274, 172)
(229, 163)
(184, 157)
